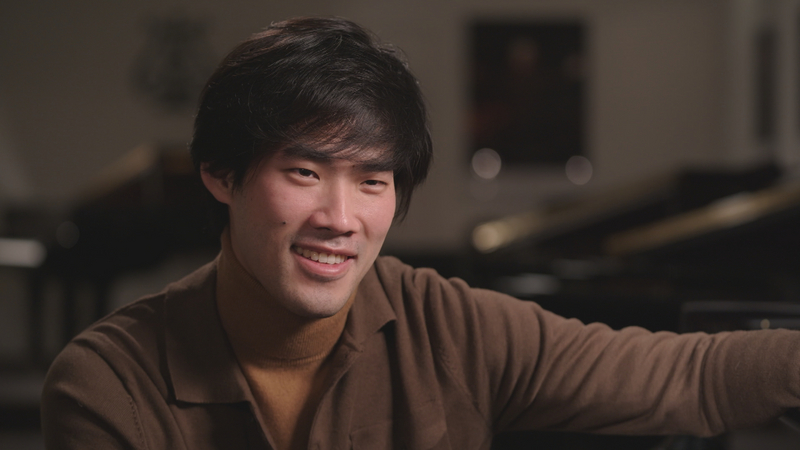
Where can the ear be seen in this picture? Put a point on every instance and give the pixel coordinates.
(220, 185)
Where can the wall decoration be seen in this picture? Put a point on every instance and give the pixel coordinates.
(528, 90)
(175, 62)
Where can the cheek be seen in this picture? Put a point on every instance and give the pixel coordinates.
(272, 205)
(382, 217)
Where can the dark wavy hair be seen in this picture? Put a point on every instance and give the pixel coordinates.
(313, 83)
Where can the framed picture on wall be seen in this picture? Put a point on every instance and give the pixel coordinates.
(528, 90)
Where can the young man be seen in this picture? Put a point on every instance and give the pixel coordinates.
(312, 136)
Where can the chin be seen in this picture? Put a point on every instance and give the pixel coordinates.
(318, 311)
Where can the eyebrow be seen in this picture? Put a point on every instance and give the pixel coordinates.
(382, 162)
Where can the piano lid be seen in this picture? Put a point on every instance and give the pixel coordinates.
(583, 227)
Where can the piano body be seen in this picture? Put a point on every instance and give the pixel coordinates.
(637, 255)
(147, 206)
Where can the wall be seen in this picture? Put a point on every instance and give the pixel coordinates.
(656, 89)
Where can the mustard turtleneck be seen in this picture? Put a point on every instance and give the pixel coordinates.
(282, 355)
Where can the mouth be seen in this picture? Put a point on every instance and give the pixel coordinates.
(324, 258)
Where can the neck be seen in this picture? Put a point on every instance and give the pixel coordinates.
(261, 330)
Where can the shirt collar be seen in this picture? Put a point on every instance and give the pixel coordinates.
(201, 364)
(371, 310)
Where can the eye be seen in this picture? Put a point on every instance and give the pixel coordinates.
(305, 177)
(305, 173)
(374, 186)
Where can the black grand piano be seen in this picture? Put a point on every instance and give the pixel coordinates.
(147, 206)
(640, 255)
(698, 249)
(635, 255)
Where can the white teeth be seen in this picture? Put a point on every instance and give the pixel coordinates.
(321, 257)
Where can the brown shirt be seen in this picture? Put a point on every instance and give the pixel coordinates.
(423, 363)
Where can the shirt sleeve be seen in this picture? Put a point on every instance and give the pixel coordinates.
(531, 369)
(85, 404)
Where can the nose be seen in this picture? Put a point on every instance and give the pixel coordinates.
(336, 210)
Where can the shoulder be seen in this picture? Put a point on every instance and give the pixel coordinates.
(477, 337)
(451, 299)
(465, 323)
(112, 376)
(128, 341)
(401, 281)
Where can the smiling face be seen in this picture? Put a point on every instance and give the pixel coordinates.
(308, 228)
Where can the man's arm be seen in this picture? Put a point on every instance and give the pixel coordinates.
(592, 378)
(547, 372)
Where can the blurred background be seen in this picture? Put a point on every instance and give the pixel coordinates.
(630, 161)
